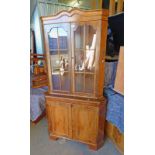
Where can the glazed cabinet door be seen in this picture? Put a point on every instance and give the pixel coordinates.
(85, 52)
(57, 44)
(59, 118)
(84, 123)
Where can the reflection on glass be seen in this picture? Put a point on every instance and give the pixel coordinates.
(90, 57)
(55, 64)
(90, 46)
(90, 32)
(63, 64)
(59, 64)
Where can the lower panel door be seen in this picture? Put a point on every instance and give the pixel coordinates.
(85, 123)
(58, 114)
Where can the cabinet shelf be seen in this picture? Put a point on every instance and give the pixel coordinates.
(59, 72)
(79, 72)
(82, 49)
(58, 50)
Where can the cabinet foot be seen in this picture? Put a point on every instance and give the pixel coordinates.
(95, 147)
(54, 137)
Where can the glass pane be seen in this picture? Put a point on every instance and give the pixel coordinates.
(56, 81)
(53, 41)
(62, 38)
(78, 34)
(79, 82)
(60, 67)
(64, 58)
(65, 82)
(64, 63)
(90, 48)
(58, 44)
(79, 60)
(89, 83)
(55, 64)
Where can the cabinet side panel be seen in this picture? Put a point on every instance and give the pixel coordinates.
(48, 114)
(98, 51)
(46, 43)
(104, 27)
(101, 121)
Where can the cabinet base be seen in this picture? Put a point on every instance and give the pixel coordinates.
(76, 119)
(94, 147)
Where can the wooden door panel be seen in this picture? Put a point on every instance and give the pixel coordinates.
(84, 123)
(59, 114)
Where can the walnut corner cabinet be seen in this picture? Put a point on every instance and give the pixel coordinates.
(75, 46)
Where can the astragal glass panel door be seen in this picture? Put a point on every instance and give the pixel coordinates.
(60, 56)
(84, 47)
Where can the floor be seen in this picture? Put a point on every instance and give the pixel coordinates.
(42, 145)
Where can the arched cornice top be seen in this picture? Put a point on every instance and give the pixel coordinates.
(103, 14)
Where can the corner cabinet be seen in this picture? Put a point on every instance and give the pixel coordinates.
(75, 44)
